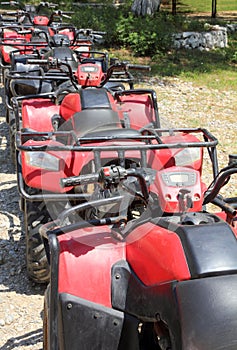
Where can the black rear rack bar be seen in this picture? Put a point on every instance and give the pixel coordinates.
(210, 141)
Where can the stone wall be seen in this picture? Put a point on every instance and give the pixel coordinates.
(214, 37)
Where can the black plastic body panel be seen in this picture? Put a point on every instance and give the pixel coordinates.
(210, 249)
(86, 325)
(147, 304)
(208, 313)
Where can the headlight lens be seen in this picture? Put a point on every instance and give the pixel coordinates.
(42, 160)
(187, 156)
(9, 49)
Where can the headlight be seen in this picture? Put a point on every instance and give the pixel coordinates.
(187, 156)
(9, 49)
(42, 160)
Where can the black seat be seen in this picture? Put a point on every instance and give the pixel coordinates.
(94, 98)
(93, 120)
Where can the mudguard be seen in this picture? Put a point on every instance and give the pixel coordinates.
(137, 110)
(37, 114)
(100, 327)
(41, 20)
(208, 309)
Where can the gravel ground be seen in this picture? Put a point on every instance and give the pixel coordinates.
(21, 301)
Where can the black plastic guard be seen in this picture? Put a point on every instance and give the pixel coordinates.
(208, 313)
(147, 304)
(210, 249)
(85, 325)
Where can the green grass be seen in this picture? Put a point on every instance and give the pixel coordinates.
(205, 5)
(216, 69)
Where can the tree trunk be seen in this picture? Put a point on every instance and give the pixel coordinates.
(174, 5)
(145, 7)
(213, 14)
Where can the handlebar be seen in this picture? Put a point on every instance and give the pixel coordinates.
(139, 67)
(212, 194)
(109, 173)
(59, 13)
(219, 182)
(79, 180)
(53, 62)
(40, 61)
(11, 3)
(108, 176)
(89, 31)
(41, 4)
(47, 4)
(11, 13)
(125, 66)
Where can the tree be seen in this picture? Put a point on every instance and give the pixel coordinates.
(145, 7)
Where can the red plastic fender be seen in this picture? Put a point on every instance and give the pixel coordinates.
(156, 255)
(87, 256)
(67, 32)
(70, 105)
(139, 109)
(15, 39)
(41, 20)
(37, 114)
(85, 262)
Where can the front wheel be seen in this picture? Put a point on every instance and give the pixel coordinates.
(36, 260)
(12, 133)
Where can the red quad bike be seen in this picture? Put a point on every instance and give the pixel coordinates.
(84, 110)
(32, 76)
(34, 28)
(18, 12)
(142, 264)
(16, 30)
(58, 68)
(28, 66)
(37, 58)
(20, 74)
(38, 79)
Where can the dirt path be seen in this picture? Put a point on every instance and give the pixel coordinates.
(21, 301)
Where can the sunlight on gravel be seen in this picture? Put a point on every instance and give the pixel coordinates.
(21, 302)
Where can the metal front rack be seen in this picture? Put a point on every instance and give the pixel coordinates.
(139, 143)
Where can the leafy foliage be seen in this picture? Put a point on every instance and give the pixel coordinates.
(152, 37)
(145, 36)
